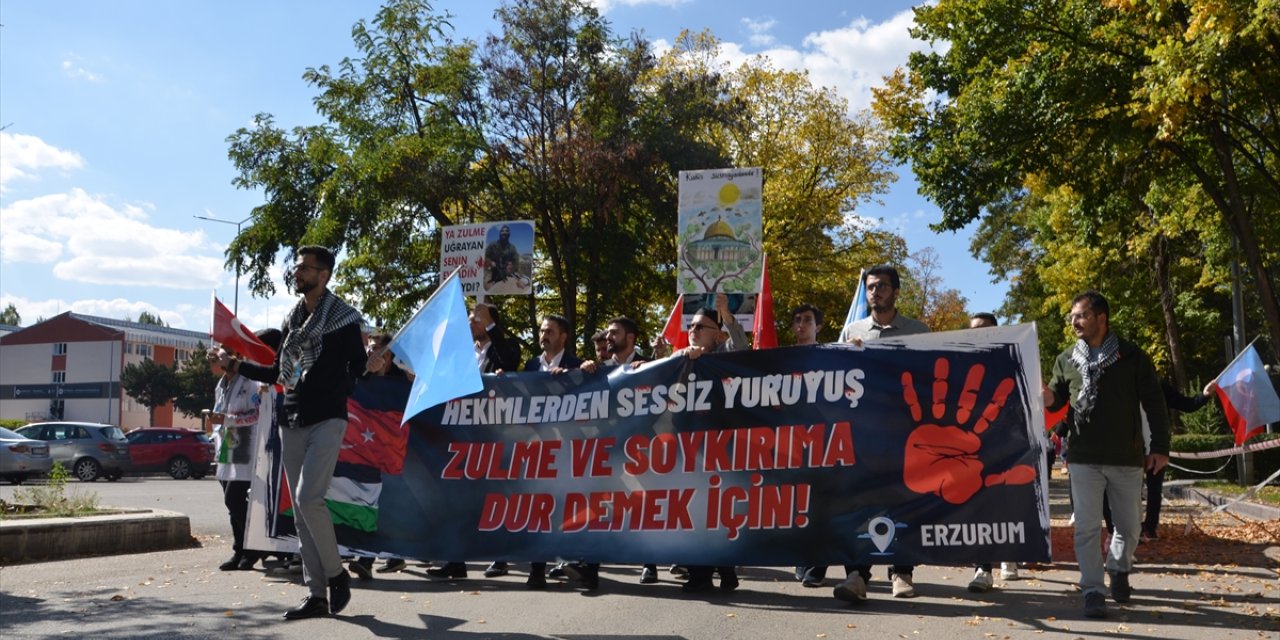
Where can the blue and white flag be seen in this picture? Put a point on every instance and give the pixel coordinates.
(858, 308)
(436, 347)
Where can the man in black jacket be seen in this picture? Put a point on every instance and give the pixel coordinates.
(321, 354)
(1110, 383)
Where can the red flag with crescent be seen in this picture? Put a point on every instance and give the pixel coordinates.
(230, 333)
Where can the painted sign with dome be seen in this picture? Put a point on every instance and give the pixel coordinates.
(720, 231)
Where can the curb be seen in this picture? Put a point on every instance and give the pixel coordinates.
(1242, 508)
(31, 540)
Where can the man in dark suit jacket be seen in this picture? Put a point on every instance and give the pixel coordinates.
(557, 356)
(553, 337)
(495, 351)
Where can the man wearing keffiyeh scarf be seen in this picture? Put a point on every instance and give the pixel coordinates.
(1110, 383)
(320, 356)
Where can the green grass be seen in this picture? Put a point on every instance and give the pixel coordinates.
(1266, 495)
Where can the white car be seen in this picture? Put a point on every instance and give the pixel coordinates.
(22, 457)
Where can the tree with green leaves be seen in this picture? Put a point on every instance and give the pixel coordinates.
(1107, 100)
(150, 383)
(146, 317)
(10, 316)
(196, 382)
(391, 164)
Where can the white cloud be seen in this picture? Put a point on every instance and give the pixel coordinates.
(851, 59)
(759, 29)
(117, 308)
(89, 240)
(71, 66)
(21, 155)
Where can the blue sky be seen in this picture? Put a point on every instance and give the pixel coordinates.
(116, 115)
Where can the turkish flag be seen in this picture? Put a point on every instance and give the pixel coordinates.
(228, 332)
(374, 437)
(765, 333)
(674, 333)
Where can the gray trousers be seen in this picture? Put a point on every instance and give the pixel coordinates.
(1122, 487)
(310, 455)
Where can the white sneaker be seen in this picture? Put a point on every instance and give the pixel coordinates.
(853, 589)
(1009, 571)
(981, 582)
(902, 586)
(1072, 521)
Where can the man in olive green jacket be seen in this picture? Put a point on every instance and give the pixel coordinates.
(1109, 383)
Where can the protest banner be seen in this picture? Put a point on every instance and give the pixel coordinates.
(924, 449)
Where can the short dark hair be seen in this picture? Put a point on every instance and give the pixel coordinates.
(559, 320)
(380, 338)
(628, 325)
(494, 313)
(986, 318)
(883, 270)
(817, 313)
(709, 313)
(1097, 302)
(598, 336)
(322, 255)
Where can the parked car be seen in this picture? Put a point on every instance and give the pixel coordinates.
(89, 450)
(21, 457)
(182, 453)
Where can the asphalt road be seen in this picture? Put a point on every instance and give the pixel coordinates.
(181, 594)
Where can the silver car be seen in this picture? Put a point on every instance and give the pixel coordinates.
(22, 457)
(87, 449)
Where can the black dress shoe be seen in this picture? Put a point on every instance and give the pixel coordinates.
(450, 571)
(496, 570)
(232, 563)
(584, 575)
(247, 562)
(339, 592)
(649, 574)
(536, 581)
(698, 585)
(392, 565)
(311, 607)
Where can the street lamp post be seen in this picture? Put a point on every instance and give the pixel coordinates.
(235, 308)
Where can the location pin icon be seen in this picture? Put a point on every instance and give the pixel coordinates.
(881, 531)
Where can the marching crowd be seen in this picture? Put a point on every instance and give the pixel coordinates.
(1116, 429)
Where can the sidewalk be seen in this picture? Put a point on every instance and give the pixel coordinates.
(1190, 586)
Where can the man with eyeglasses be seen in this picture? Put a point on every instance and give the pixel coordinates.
(1110, 384)
(321, 354)
(713, 331)
(882, 284)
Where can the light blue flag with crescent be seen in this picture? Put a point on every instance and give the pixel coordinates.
(858, 307)
(436, 347)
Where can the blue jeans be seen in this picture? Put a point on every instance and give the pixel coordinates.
(1122, 487)
(310, 455)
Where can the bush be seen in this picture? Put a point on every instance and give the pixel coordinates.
(13, 423)
(53, 499)
(1264, 462)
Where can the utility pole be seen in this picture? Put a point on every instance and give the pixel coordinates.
(235, 305)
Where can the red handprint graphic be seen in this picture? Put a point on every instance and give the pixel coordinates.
(943, 460)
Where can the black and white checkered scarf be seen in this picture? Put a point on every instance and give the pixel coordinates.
(304, 335)
(1090, 371)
